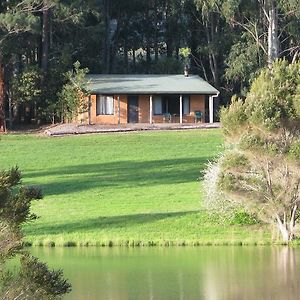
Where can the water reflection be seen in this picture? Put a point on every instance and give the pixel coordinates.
(258, 273)
(211, 273)
(28, 278)
(23, 276)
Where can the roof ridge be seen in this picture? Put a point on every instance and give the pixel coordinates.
(101, 74)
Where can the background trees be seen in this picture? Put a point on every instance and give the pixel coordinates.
(229, 42)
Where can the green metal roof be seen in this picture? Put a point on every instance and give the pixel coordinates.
(148, 84)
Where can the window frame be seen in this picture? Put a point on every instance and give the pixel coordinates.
(106, 97)
(155, 98)
(186, 98)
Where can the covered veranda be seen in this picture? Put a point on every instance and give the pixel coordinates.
(173, 109)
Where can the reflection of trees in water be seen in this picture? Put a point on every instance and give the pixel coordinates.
(33, 280)
(254, 273)
(29, 279)
(286, 263)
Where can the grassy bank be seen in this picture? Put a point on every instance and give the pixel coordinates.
(122, 189)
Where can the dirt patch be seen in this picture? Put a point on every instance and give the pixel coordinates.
(70, 129)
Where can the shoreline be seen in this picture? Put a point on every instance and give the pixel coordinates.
(157, 244)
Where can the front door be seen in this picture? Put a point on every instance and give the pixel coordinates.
(132, 109)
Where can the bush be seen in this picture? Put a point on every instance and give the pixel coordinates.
(243, 218)
(263, 132)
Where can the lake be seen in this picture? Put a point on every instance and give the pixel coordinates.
(178, 273)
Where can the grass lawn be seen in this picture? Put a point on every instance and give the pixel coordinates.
(135, 188)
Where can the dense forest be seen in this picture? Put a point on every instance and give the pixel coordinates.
(226, 42)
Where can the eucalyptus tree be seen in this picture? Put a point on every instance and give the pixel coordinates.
(261, 32)
(217, 37)
(269, 23)
(175, 26)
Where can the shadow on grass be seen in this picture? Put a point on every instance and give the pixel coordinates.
(101, 223)
(120, 174)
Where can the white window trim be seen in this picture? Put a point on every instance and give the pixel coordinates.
(155, 99)
(186, 97)
(98, 96)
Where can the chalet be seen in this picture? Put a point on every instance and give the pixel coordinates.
(122, 99)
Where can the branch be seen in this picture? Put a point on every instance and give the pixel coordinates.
(291, 49)
(264, 10)
(256, 38)
(25, 7)
(13, 32)
(295, 57)
(200, 65)
(269, 180)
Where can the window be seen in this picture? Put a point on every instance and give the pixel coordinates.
(186, 105)
(104, 105)
(157, 105)
(170, 104)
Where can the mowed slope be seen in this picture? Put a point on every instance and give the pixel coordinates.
(117, 189)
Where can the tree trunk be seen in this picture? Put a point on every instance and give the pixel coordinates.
(156, 34)
(212, 57)
(2, 96)
(133, 59)
(273, 41)
(283, 231)
(148, 55)
(126, 56)
(169, 30)
(193, 44)
(156, 47)
(107, 42)
(214, 69)
(287, 230)
(10, 109)
(45, 38)
(114, 31)
(148, 41)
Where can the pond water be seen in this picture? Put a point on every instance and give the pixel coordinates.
(178, 273)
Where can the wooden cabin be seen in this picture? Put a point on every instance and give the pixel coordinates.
(122, 99)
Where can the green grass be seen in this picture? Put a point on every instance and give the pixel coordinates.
(122, 189)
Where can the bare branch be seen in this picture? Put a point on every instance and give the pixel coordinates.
(262, 5)
(253, 34)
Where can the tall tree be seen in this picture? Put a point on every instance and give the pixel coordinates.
(46, 15)
(210, 20)
(13, 21)
(2, 95)
(108, 38)
(16, 17)
(261, 20)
